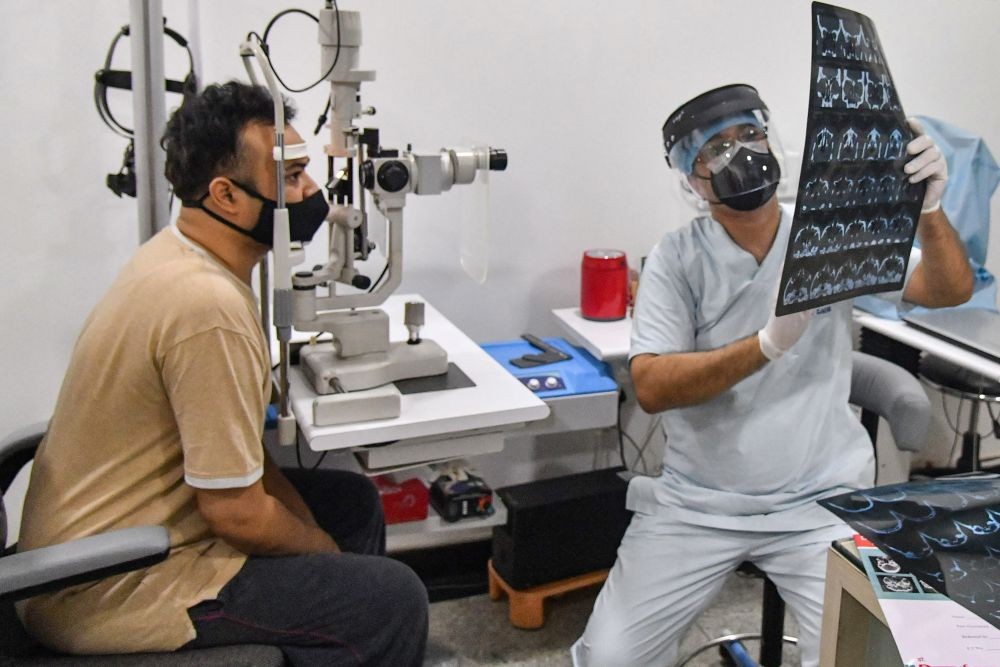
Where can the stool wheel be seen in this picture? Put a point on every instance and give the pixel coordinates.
(721, 642)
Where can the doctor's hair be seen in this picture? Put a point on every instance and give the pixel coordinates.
(202, 137)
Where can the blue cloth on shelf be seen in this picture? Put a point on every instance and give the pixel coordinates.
(973, 176)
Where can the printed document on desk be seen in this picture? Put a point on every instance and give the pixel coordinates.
(930, 629)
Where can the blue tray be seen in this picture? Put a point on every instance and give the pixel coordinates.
(583, 374)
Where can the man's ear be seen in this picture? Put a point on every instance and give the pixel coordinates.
(223, 194)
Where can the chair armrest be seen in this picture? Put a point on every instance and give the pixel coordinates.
(50, 568)
(17, 449)
(894, 394)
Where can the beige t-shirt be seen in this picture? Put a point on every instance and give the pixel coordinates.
(166, 390)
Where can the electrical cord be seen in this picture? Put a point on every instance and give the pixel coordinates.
(622, 436)
(298, 456)
(944, 409)
(654, 425)
(267, 50)
(385, 270)
(954, 429)
(621, 440)
(994, 420)
(638, 450)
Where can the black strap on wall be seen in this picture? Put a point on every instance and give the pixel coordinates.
(123, 183)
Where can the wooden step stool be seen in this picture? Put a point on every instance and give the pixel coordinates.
(527, 609)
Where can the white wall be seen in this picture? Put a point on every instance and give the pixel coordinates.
(575, 91)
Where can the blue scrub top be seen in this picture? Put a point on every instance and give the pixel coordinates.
(779, 439)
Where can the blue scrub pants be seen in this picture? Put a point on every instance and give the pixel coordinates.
(667, 572)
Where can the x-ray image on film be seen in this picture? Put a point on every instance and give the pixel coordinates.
(944, 532)
(856, 211)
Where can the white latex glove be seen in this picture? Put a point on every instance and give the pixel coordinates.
(928, 164)
(781, 333)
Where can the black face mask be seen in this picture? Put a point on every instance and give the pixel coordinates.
(748, 181)
(304, 217)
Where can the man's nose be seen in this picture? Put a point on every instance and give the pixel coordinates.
(310, 187)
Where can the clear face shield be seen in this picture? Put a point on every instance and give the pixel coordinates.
(736, 162)
(734, 154)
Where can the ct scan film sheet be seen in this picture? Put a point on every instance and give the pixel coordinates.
(856, 212)
(944, 532)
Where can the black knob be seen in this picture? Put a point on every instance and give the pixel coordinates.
(498, 159)
(361, 282)
(367, 175)
(393, 176)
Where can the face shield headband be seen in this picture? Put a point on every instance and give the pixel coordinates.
(725, 130)
(699, 119)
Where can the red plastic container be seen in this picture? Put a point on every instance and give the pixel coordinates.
(604, 291)
(402, 501)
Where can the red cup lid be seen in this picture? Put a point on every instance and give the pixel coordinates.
(604, 253)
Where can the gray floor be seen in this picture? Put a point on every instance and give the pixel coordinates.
(475, 631)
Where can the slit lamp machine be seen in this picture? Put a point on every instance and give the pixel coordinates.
(360, 356)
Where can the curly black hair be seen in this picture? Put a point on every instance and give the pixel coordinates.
(202, 136)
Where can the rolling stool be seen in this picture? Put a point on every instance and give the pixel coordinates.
(962, 383)
(772, 627)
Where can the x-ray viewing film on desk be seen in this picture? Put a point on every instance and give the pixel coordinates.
(935, 345)
(856, 211)
(944, 532)
(975, 329)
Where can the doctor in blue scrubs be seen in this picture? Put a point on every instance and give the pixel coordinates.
(754, 406)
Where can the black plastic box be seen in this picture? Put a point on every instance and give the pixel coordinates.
(459, 499)
(561, 527)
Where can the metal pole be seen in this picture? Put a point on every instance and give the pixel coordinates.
(150, 116)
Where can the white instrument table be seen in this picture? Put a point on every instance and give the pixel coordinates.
(608, 341)
(498, 400)
(904, 333)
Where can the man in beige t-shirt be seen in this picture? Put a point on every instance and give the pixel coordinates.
(160, 420)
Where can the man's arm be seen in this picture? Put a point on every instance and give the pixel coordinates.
(259, 524)
(665, 381)
(943, 276)
(277, 485)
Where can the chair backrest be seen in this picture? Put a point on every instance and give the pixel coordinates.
(16, 450)
(888, 391)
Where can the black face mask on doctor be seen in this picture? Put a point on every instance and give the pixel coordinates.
(747, 181)
(304, 217)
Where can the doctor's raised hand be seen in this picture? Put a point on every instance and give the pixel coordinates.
(943, 277)
(927, 164)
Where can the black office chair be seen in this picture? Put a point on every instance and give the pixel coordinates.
(881, 389)
(50, 568)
